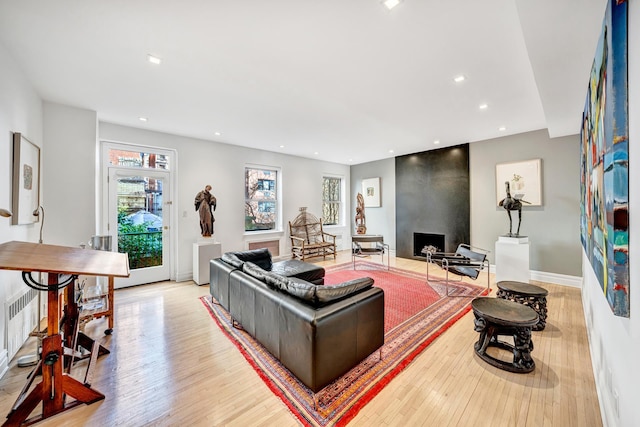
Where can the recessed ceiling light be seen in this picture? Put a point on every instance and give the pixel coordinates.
(390, 4)
(483, 106)
(436, 142)
(315, 152)
(282, 146)
(502, 128)
(351, 160)
(154, 59)
(459, 79)
(217, 133)
(391, 151)
(143, 119)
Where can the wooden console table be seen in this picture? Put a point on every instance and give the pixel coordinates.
(56, 386)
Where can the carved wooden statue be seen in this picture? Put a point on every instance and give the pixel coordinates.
(361, 227)
(512, 204)
(205, 204)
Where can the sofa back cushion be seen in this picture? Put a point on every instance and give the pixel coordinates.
(261, 257)
(315, 295)
(300, 289)
(254, 270)
(328, 293)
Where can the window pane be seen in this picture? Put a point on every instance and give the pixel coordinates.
(260, 199)
(137, 159)
(331, 200)
(140, 220)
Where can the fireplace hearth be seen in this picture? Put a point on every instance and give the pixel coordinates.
(420, 240)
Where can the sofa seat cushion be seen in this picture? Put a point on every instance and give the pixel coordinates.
(300, 269)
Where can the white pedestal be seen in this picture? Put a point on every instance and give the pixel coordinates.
(512, 259)
(203, 252)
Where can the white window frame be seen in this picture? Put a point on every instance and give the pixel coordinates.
(279, 181)
(341, 209)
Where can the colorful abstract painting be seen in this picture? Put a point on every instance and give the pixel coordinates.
(605, 162)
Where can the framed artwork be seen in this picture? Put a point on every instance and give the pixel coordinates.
(604, 163)
(371, 192)
(26, 180)
(524, 179)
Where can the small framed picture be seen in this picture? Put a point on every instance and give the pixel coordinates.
(26, 180)
(371, 192)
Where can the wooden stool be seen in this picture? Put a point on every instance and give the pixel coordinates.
(530, 295)
(494, 317)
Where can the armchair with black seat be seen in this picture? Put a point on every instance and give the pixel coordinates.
(464, 262)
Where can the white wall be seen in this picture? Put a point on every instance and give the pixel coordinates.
(20, 111)
(380, 220)
(70, 164)
(554, 227)
(615, 341)
(203, 162)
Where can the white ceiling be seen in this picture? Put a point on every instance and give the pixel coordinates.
(347, 79)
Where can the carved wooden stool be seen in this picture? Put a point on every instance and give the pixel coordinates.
(495, 317)
(530, 295)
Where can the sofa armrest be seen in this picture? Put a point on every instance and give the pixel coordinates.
(219, 273)
(319, 345)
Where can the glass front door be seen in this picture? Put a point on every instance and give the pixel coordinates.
(137, 218)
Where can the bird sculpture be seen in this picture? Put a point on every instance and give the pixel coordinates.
(513, 204)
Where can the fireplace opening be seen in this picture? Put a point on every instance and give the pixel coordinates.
(421, 240)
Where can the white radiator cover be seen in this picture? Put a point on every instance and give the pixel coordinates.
(21, 317)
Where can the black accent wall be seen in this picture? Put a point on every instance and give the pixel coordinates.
(432, 196)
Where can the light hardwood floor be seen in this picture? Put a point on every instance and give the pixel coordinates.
(171, 365)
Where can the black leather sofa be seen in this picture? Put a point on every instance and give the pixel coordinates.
(317, 332)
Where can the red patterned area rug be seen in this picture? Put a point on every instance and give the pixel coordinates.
(416, 313)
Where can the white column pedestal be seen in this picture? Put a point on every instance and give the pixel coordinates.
(512, 259)
(203, 252)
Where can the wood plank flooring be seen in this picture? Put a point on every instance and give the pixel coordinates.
(170, 365)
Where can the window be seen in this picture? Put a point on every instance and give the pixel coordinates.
(261, 199)
(331, 200)
(136, 159)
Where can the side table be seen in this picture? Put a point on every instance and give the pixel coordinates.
(527, 294)
(495, 317)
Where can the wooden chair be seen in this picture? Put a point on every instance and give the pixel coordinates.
(465, 262)
(308, 239)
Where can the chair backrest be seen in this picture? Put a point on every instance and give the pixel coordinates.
(307, 226)
(477, 257)
(465, 251)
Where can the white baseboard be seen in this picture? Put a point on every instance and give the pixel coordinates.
(4, 363)
(555, 278)
(558, 279)
(183, 277)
